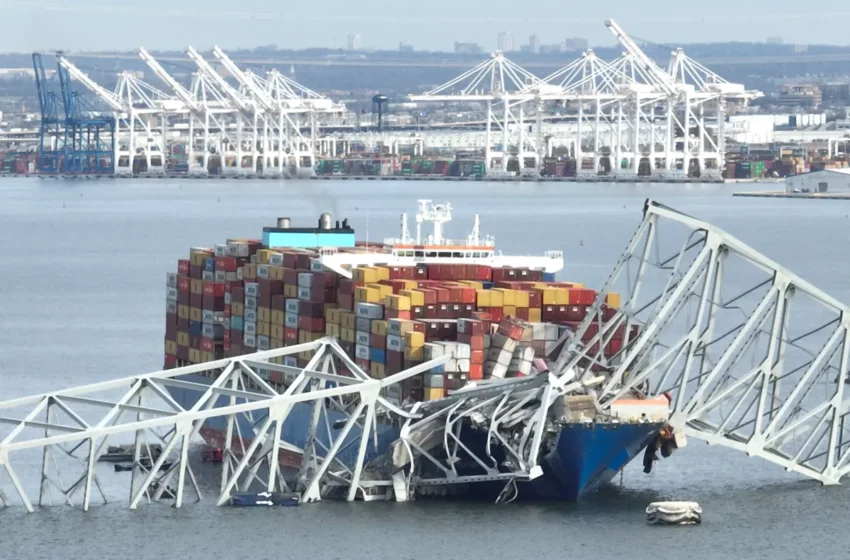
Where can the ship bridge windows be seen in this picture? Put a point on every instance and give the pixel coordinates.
(419, 254)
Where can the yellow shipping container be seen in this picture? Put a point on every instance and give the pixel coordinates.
(379, 327)
(170, 347)
(508, 296)
(332, 329)
(263, 256)
(237, 309)
(249, 271)
(277, 332)
(377, 370)
(383, 290)
(194, 356)
(482, 298)
(196, 286)
(196, 314)
(414, 339)
(278, 317)
(276, 273)
(348, 320)
(264, 329)
(534, 315)
(367, 295)
(497, 298)
(264, 314)
(612, 300)
(417, 298)
(332, 316)
(510, 310)
(383, 272)
(365, 274)
(183, 311)
(521, 298)
(207, 356)
(472, 284)
(434, 393)
(183, 339)
(416, 354)
(347, 335)
(563, 297)
(290, 291)
(398, 303)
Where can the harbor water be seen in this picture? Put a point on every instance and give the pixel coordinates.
(82, 299)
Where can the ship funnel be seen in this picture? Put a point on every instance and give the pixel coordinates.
(283, 223)
(325, 221)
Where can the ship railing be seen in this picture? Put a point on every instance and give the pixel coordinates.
(483, 242)
(328, 250)
(555, 255)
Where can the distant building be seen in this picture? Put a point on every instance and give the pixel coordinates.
(774, 40)
(467, 48)
(404, 47)
(506, 41)
(801, 48)
(800, 95)
(534, 44)
(835, 92)
(354, 42)
(575, 44)
(555, 48)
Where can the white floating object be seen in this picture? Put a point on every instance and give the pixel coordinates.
(673, 513)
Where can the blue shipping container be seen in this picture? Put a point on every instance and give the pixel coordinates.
(377, 355)
(237, 322)
(209, 265)
(196, 328)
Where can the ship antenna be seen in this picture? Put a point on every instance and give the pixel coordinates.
(476, 227)
(405, 235)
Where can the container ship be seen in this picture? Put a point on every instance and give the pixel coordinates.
(391, 306)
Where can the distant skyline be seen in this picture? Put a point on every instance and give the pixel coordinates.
(435, 25)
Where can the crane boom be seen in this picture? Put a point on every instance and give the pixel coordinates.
(240, 76)
(107, 96)
(175, 86)
(220, 82)
(661, 78)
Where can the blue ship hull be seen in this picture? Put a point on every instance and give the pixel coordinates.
(584, 457)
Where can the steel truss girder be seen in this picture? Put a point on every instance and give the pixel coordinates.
(73, 427)
(754, 357)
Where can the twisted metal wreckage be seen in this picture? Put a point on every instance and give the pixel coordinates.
(752, 357)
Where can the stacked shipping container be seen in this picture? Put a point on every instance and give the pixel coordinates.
(240, 298)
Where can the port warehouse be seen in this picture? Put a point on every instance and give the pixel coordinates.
(621, 118)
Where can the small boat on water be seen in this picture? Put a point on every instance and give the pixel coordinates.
(126, 453)
(279, 499)
(119, 467)
(674, 513)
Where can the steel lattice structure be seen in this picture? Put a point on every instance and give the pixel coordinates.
(754, 357)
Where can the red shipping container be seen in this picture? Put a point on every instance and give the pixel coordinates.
(207, 345)
(227, 264)
(326, 294)
(378, 341)
(184, 284)
(311, 309)
(214, 289)
(213, 303)
(237, 295)
(196, 272)
(421, 272)
(396, 314)
(170, 361)
(476, 372)
(522, 313)
(419, 326)
(476, 357)
(269, 287)
(183, 325)
(613, 347)
(196, 300)
(302, 261)
(324, 279)
(430, 296)
(236, 349)
(576, 312)
(510, 329)
(279, 302)
(346, 286)
(290, 259)
(417, 312)
(496, 314)
(312, 324)
(345, 301)
(395, 359)
(171, 331)
(227, 335)
(183, 266)
(290, 276)
(290, 335)
(475, 341)
(582, 296)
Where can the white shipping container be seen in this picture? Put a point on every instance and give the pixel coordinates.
(208, 330)
(250, 341)
(171, 294)
(435, 380)
(433, 350)
(219, 318)
(393, 393)
(316, 265)
(524, 352)
(208, 276)
(395, 343)
(208, 317)
(361, 351)
(538, 331)
(501, 341)
(463, 364)
(361, 337)
(232, 276)
(276, 259)
(171, 307)
(252, 289)
(370, 310)
(304, 294)
(221, 250)
(249, 328)
(238, 249)
(251, 315)
(228, 298)
(239, 273)
(262, 271)
(220, 276)
(363, 324)
(552, 332)
(305, 280)
(293, 305)
(263, 343)
(171, 279)
(250, 302)
(291, 361)
(291, 320)
(494, 369)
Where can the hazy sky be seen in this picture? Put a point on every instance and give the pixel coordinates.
(27, 25)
